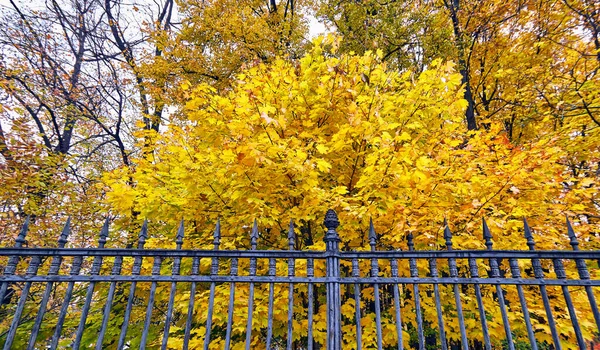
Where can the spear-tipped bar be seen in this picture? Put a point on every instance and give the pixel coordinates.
(381, 294)
(11, 266)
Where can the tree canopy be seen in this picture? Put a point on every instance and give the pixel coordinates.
(408, 113)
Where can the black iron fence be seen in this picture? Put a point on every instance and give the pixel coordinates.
(275, 299)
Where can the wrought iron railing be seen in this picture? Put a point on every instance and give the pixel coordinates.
(274, 299)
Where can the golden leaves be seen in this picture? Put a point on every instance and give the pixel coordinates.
(290, 140)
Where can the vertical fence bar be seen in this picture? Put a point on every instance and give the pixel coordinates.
(375, 274)
(54, 269)
(75, 269)
(155, 272)
(11, 266)
(559, 269)
(333, 255)
(433, 271)
(334, 318)
(13, 261)
(495, 273)
(96, 266)
(190, 314)
(234, 272)
(475, 274)
(356, 274)
(394, 266)
(214, 270)
(516, 273)
(539, 274)
(135, 271)
(272, 271)
(414, 272)
(109, 300)
(584, 274)
(310, 272)
(291, 273)
(454, 274)
(174, 272)
(252, 272)
(31, 271)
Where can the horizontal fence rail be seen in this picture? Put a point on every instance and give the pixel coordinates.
(290, 299)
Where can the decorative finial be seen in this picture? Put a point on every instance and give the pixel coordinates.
(180, 234)
(310, 267)
(137, 262)
(179, 242)
(272, 266)
(584, 274)
(447, 235)
(143, 235)
(572, 237)
(253, 243)
(34, 265)
(217, 234)
(62, 240)
(254, 235)
(117, 266)
(514, 268)
(332, 238)
(156, 266)
(433, 267)
(76, 267)
(195, 265)
(355, 268)
(411, 243)
(394, 267)
(528, 235)
(291, 245)
(104, 233)
(559, 269)
(21, 237)
(412, 262)
(292, 236)
(487, 235)
(234, 266)
(331, 220)
(97, 264)
(473, 268)
(372, 235)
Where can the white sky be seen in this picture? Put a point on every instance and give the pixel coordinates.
(315, 27)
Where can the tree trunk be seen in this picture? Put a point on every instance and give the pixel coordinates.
(463, 63)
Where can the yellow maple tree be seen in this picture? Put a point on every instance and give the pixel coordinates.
(290, 140)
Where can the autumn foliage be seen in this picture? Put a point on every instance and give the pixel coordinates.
(293, 139)
(289, 140)
(410, 113)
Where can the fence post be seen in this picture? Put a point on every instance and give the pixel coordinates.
(334, 319)
(11, 267)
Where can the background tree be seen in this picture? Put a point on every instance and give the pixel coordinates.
(528, 67)
(71, 91)
(217, 39)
